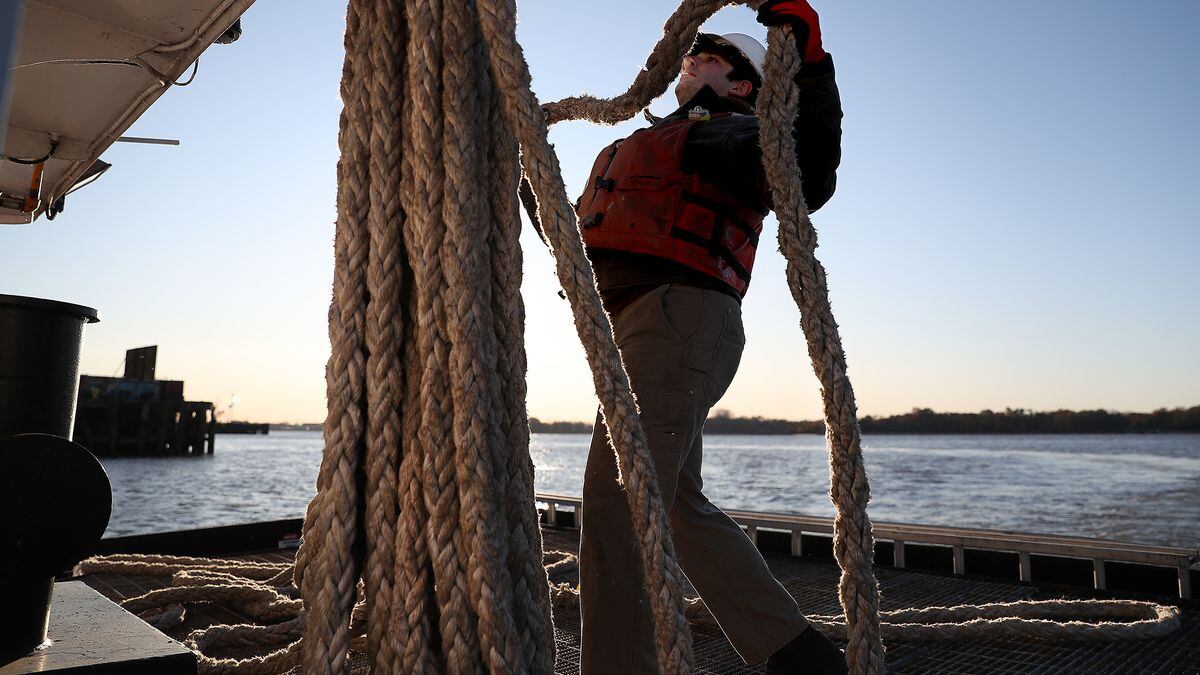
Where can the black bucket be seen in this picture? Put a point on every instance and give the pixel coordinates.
(55, 498)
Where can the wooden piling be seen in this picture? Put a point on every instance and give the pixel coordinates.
(111, 427)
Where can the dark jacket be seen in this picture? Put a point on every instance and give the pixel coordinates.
(726, 151)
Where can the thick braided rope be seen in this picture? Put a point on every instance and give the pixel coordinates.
(166, 617)
(425, 191)
(280, 661)
(473, 345)
(385, 325)
(165, 565)
(240, 584)
(328, 564)
(412, 629)
(662, 67)
(414, 620)
(229, 636)
(413, 623)
(531, 589)
(853, 541)
(202, 577)
(1024, 619)
(257, 602)
(512, 463)
(525, 118)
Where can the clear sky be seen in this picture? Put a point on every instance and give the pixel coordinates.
(1015, 224)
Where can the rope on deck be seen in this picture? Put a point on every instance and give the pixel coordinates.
(202, 581)
(1023, 619)
(422, 545)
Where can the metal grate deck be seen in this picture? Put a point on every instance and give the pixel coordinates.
(813, 582)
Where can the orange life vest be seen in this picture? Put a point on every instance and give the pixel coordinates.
(640, 200)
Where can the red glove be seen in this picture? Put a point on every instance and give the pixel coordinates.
(806, 26)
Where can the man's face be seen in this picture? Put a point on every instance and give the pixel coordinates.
(707, 68)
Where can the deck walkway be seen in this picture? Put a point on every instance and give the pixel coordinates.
(813, 582)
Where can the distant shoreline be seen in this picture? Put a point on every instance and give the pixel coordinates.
(926, 421)
(708, 431)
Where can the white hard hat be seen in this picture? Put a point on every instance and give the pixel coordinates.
(745, 45)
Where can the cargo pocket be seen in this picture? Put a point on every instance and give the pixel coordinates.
(726, 357)
(666, 419)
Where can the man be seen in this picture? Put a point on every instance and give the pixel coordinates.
(671, 217)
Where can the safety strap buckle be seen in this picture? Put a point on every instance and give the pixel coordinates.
(591, 221)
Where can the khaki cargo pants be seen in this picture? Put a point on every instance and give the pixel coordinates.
(681, 346)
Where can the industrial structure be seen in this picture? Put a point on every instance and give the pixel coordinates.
(137, 414)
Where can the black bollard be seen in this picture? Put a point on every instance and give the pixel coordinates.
(39, 364)
(55, 498)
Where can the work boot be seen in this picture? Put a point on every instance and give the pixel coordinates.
(810, 653)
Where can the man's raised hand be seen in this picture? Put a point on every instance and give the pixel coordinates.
(806, 26)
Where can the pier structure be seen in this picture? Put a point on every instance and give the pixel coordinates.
(137, 414)
(237, 427)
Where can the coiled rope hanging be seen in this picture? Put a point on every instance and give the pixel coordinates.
(422, 545)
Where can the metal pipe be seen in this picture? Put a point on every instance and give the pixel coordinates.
(33, 198)
(148, 141)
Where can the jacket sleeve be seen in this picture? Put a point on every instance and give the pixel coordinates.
(818, 131)
(728, 153)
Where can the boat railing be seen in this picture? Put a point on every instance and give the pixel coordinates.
(959, 540)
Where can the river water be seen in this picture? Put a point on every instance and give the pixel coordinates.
(1135, 488)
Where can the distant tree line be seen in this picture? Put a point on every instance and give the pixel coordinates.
(722, 422)
(926, 421)
(1021, 421)
(539, 427)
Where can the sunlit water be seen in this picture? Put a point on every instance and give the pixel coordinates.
(1126, 487)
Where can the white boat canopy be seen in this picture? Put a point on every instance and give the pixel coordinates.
(84, 72)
